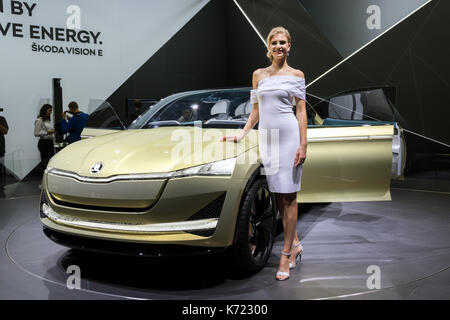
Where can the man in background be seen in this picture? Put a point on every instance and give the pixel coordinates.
(3, 131)
(186, 116)
(75, 125)
(137, 112)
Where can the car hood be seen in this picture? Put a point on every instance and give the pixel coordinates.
(150, 150)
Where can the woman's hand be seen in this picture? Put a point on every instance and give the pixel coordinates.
(235, 139)
(51, 131)
(300, 156)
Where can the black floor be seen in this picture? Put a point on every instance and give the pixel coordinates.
(407, 238)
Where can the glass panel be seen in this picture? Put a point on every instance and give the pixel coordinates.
(342, 107)
(103, 116)
(368, 105)
(137, 107)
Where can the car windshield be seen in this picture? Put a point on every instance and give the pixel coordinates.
(227, 108)
(230, 108)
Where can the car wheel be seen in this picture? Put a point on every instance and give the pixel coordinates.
(255, 230)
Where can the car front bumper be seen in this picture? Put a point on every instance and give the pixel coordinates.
(189, 211)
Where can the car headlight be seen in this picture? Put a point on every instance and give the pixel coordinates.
(217, 168)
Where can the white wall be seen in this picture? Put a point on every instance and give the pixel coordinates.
(131, 32)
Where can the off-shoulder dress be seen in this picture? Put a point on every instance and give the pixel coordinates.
(278, 130)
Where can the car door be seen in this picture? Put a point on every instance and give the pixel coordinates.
(354, 147)
(102, 120)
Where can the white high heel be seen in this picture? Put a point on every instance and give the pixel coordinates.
(282, 273)
(298, 256)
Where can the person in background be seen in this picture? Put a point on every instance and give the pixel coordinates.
(44, 130)
(75, 125)
(137, 112)
(186, 116)
(3, 132)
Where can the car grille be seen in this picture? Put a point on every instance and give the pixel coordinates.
(98, 208)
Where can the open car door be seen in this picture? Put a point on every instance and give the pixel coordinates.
(102, 120)
(355, 146)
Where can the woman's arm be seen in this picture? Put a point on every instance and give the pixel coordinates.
(253, 117)
(302, 122)
(251, 121)
(254, 114)
(300, 156)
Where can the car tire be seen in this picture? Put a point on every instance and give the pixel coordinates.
(255, 229)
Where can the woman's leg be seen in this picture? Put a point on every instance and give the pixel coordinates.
(290, 219)
(51, 148)
(279, 198)
(41, 147)
(46, 149)
(288, 208)
(281, 209)
(295, 249)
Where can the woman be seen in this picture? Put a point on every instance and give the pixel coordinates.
(275, 90)
(44, 130)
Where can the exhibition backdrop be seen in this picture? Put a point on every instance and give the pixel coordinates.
(116, 50)
(119, 36)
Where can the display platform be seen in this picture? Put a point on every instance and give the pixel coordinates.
(407, 239)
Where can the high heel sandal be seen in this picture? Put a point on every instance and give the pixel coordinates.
(282, 273)
(298, 256)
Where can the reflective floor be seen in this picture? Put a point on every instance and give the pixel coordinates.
(406, 239)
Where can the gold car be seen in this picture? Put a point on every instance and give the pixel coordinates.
(168, 185)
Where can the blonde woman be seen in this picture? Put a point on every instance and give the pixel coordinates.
(276, 89)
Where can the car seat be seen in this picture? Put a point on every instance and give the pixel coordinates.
(220, 110)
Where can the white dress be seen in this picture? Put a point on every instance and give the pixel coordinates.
(278, 130)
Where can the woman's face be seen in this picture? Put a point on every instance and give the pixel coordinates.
(279, 46)
(49, 112)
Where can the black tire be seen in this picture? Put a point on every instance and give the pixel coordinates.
(255, 229)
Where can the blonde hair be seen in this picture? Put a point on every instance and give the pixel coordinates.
(272, 33)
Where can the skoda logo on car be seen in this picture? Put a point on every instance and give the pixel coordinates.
(96, 167)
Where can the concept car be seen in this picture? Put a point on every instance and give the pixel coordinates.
(168, 185)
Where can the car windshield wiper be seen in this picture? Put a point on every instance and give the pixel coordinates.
(172, 123)
(165, 123)
(220, 124)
